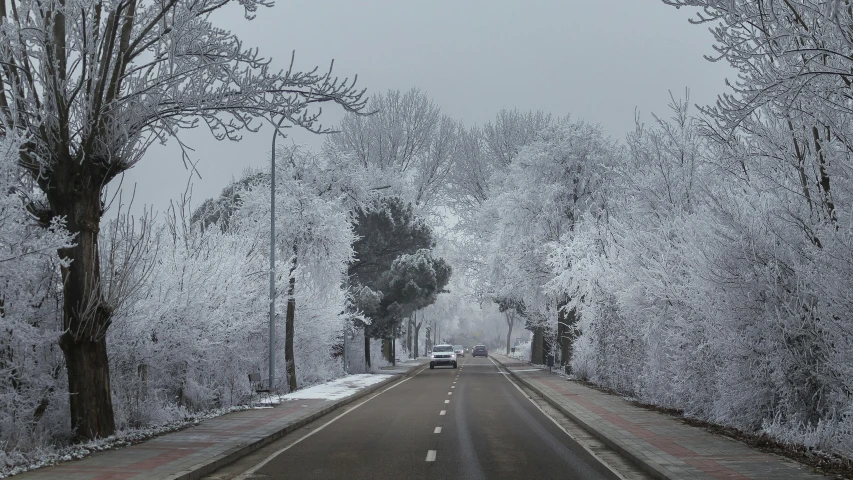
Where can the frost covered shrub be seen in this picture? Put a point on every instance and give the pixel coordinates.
(33, 392)
(193, 300)
(721, 294)
(193, 329)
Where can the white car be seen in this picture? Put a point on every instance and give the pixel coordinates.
(442, 355)
(460, 351)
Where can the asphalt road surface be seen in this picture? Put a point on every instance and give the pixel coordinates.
(468, 423)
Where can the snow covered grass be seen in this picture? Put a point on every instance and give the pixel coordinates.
(522, 351)
(334, 390)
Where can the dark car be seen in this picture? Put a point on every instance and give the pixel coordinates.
(480, 351)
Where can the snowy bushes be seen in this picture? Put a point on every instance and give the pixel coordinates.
(197, 322)
(33, 395)
(190, 335)
(718, 292)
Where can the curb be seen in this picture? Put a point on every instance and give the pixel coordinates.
(213, 464)
(652, 469)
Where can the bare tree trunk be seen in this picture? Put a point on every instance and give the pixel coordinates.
(409, 324)
(415, 339)
(386, 349)
(510, 320)
(537, 349)
(86, 316)
(366, 349)
(289, 327)
(568, 346)
(563, 339)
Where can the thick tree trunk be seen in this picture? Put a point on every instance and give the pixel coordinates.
(86, 316)
(386, 349)
(415, 339)
(537, 349)
(289, 328)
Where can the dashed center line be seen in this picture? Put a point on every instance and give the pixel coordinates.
(430, 456)
(437, 430)
(442, 412)
(450, 393)
(447, 401)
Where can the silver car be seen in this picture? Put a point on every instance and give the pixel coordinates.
(442, 355)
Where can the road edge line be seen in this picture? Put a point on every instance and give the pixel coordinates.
(652, 469)
(586, 449)
(196, 472)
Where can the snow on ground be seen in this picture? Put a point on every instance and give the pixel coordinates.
(337, 389)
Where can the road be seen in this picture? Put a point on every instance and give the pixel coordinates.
(466, 423)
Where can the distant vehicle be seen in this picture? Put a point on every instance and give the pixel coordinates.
(442, 355)
(460, 351)
(480, 351)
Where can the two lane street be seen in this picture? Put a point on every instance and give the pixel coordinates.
(470, 423)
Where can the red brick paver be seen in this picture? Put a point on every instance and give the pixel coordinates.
(664, 446)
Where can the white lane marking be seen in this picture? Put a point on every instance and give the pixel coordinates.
(506, 376)
(447, 401)
(453, 386)
(430, 456)
(442, 412)
(251, 471)
(450, 393)
(437, 430)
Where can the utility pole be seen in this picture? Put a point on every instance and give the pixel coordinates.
(272, 255)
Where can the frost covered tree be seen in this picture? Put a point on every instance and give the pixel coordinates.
(315, 198)
(536, 200)
(407, 142)
(89, 86)
(512, 130)
(481, 153)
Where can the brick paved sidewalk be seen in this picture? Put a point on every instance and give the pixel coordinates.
(197, 451)
(661, 445)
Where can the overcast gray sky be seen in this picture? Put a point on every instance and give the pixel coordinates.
(595, 59)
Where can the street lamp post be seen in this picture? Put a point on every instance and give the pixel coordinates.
(272, 255)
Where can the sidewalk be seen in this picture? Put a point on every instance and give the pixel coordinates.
(659, 444)
(197, 451)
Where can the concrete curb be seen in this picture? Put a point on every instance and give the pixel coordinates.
(656, 471)
(215, 463)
